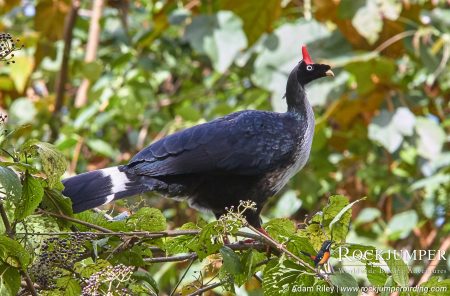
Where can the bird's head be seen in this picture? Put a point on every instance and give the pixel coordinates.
(307, 71)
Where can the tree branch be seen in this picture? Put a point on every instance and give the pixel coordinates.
(282, 248)
(81, 222)
(91, 49)
(62, 75)
(432, 266)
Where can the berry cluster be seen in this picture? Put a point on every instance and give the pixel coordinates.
(57, 258)
(7, 46)
(110, 281)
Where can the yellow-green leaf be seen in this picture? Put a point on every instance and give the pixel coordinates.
(258, 16)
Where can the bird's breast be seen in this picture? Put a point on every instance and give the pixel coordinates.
(278, 178)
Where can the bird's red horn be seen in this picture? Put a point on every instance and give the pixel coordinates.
(306, 57)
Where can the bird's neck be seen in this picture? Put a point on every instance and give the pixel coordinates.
(296, 96)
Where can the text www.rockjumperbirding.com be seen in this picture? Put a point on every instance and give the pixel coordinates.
(323, 288)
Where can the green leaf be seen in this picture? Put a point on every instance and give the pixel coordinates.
(376, 275)
(53, 162)
(208, 240)
(10, 187)
(281, 276)
(22, 111)
(368, 21)
(231, 261)
(258, 16)
(132, 257)
(389, 129)
(220, 36)
(364, 70)
(401, 225)
(431, 138)
(348, 8)
(182, 243)
(248, 261)
(436, 286)
(398, 268)
(337, 207)
(147, 219)
(298, 244)
(389, 283)
(69, 286)
(367, 215)
(143, 277)
(88, 267)
(92, 70)
(102, 147)
(345, 283)
(342, 213)
(9, 280)
(12, 253)
(280, 229)
(56, 202)
(315, 234)
(32, 193)
(20, 73)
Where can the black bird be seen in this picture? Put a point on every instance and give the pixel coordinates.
(247, 155)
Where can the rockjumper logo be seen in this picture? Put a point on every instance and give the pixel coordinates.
(344, 253)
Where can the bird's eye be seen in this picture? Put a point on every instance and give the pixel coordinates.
(309, 67)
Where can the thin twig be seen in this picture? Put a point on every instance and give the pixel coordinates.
(71, 219)
(193, 258)
(176, 258)
(206, 288)
(394, 39)
(271, 242)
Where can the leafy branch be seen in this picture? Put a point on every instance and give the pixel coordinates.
(10, 233)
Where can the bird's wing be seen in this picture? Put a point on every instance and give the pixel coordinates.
(247, 143)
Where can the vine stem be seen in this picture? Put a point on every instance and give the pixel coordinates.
(10, 232)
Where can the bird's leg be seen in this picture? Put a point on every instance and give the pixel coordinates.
(226, 240)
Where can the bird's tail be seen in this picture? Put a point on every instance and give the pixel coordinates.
(92, 189)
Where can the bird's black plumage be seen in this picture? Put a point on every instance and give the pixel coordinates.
(247, 155)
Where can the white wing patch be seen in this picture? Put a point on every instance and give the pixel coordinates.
(118, 181)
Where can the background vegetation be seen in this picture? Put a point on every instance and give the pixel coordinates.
(100, 80)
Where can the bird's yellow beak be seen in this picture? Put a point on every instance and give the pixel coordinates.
(329, 73)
